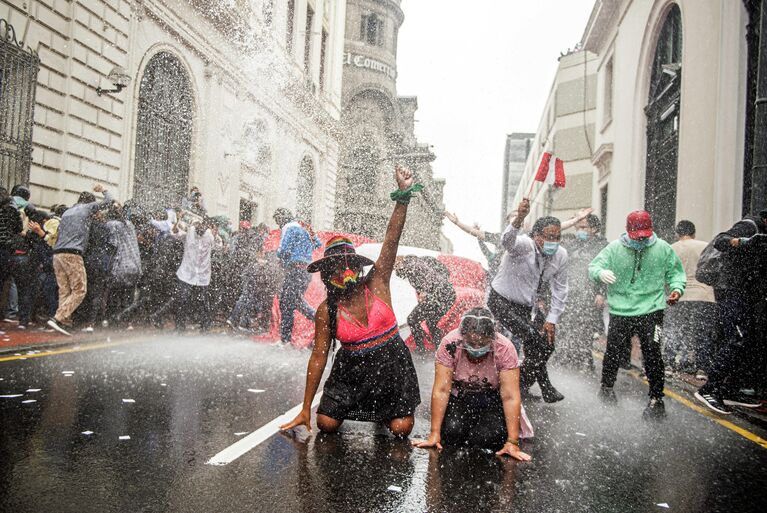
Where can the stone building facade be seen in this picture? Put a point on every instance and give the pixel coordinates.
(566, 130)
(241, 98)
(377, 128)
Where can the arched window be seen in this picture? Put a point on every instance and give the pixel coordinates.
(663, 125)
(305, 190)
(163, 132)
(372, 29)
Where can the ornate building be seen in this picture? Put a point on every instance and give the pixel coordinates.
(241, 98)
(377, 132)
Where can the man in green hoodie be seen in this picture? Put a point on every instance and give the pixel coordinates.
(637, 268)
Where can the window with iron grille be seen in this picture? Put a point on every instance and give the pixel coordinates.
(163, 133)
(18, 78)
(663, 112)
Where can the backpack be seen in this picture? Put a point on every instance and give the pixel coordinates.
(710, 262)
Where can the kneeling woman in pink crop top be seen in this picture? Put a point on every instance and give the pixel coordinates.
(373, 378)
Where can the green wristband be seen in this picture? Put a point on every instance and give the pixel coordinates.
(403, 196)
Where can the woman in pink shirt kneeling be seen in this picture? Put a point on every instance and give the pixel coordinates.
(475, 400)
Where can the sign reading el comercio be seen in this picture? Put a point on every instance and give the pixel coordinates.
(360, 61)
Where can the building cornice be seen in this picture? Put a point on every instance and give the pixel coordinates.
(598, 26)
(394, 7)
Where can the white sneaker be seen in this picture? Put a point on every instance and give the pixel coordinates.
(12, 321)
(56, 326)
(87, 329)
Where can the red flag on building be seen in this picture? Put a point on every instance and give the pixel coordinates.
(551, 171)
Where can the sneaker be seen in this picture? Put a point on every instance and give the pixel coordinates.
(702, 375)
(87, 329)
(740, 399)
(55, 325)
(655, 409)
(21, 327)
(607, 395)
(105, 323)
(130, 327)
(11, 321)
(713, 403)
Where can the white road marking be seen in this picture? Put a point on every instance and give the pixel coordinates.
(258, 436)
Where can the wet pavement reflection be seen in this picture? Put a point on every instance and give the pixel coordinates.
(180, 401)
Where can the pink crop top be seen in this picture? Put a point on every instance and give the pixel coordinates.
(381, 328)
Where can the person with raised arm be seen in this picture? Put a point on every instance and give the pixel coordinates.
(531, 262)
(373, 378)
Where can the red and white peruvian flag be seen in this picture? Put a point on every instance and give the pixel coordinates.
(551, 171)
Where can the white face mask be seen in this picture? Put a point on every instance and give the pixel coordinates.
(476, 352)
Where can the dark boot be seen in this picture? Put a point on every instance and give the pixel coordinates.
(550, 394)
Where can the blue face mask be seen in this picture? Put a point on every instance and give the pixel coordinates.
(639, 245)
(20, 202)
(476, 352)
(582, 235)
(549, 248)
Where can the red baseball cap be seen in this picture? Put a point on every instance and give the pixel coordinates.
(639, 224)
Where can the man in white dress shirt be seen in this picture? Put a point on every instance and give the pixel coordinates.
(516, 294)
(193, 276)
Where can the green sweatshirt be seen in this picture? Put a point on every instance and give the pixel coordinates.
(641, 276)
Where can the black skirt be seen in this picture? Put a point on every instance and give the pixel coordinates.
(375, 386)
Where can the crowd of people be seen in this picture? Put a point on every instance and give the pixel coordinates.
(692, 306)
(101, 263)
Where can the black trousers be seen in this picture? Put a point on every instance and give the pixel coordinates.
(294, 286)
(475, 419)
(649, 330)
(516, 318)
(195, 300)
(737, 349)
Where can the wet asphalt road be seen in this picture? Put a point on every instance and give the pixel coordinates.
(191, 398)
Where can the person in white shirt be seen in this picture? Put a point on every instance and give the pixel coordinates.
(530, 262)
(689, 325)
(193, 276)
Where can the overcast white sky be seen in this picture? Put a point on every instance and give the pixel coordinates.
(481, 70)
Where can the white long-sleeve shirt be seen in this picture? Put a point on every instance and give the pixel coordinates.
(195, 266)
(520, 273)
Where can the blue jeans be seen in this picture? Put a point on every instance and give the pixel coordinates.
(21, 270)
(292, 298)
(12, 303)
